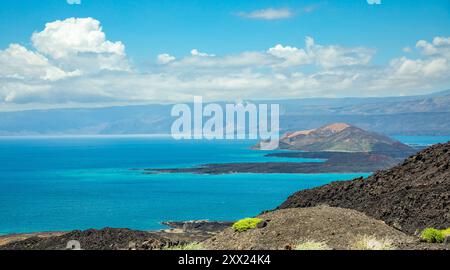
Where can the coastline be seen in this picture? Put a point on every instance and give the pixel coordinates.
(335, 162)
(178, 232)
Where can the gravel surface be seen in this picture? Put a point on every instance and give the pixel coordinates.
(338, 228)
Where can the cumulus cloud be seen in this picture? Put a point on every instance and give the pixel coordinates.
(440, 46)
(435, 64)
(87, 68)
(80, 44)
(16, 62)
(292, 56)
(165, 58)
(268, 14)
(335, 56)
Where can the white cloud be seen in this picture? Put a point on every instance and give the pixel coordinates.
(268, 14)
(440, 46)
(281, 56)
(80, 44)
(241, 60)
(374, 2)
(195, 52)
(74, 2)
(292, 56)
(16, 62)
(86, 68)
(335, 56)
(165, 58)
(435, 63)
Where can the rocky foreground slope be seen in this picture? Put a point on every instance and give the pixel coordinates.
(336, 228)
(409, 197)
(105, 239)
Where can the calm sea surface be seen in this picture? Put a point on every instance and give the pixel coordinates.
(58, 184)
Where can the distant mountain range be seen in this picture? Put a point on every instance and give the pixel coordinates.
(410, 115)
(342, 137)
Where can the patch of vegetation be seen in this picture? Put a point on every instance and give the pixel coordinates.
(312, 245)
(446, 232)
(246, 224)
(372, 243)
(432, 235)
(191, 246)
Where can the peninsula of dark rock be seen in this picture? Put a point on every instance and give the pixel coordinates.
(336, 162)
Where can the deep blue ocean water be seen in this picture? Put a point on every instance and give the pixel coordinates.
(65, 183)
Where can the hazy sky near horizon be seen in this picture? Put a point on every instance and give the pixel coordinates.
(55, 53)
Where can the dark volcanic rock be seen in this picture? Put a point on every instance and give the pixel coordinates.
(105, 239)
(199, 225)
(410, 196)
(336, 162)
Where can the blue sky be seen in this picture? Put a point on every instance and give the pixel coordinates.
(177, 26)
(377, 33)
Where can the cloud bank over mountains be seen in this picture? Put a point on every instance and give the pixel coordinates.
(72, 62)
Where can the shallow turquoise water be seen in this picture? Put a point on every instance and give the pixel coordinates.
(422, 140)
(51, 184)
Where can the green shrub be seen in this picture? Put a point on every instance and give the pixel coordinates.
(446, 232)
(371, 243)
(246, 224)
(312, 245)
(432, 235)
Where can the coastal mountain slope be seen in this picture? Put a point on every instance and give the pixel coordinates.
(409, 197)
(342, 137)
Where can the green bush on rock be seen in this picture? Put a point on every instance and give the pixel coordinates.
(246, 224)
(432, 235)
(446, 232)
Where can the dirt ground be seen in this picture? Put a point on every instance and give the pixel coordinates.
(339, 228)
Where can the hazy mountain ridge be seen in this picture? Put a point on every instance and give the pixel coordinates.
(411, 115)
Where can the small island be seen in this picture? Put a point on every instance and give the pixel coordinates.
(345, 149)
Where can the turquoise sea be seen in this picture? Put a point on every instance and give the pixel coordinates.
(65, 183)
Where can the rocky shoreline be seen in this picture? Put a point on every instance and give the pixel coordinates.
(387, 211)
(179, 233)
(199, 225)
(283, 229)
